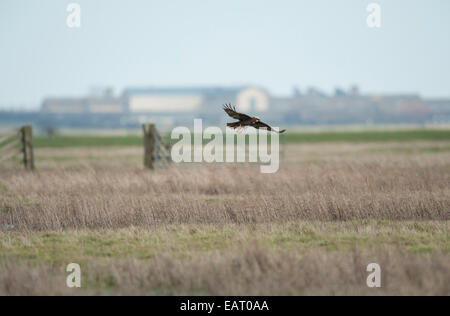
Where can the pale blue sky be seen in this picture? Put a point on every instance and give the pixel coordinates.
(276, 44)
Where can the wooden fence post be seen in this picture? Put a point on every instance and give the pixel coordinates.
(27, 147)
(149, 145)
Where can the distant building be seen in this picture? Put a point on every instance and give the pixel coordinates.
(194, 100)
(440, 109)
(170, 107)
(167, 105)
(354, 90)
(339, 92)
(99, 105)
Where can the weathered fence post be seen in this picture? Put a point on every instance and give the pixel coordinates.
(149, 145)
(27, 147)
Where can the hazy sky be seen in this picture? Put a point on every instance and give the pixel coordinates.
(276, 44)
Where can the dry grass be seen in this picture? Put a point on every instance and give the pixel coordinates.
(345, 193)
(249, 271)
(347, 189)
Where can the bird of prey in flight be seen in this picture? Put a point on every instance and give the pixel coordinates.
(246, 120)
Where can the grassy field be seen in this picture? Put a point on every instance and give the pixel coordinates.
(290, 138)
(292, 258)
(226, 229)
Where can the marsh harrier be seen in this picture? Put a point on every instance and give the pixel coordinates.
(246, 120)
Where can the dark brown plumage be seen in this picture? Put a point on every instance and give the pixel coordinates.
(246, 120)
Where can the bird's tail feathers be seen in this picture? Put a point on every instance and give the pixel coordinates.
(233, 125)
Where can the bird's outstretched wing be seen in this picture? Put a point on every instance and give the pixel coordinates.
(231, 111)
(268, 127)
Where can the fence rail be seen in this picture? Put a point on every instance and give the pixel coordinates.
(8, 136)
(18, 142)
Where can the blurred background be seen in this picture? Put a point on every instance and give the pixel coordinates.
(293, 63)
